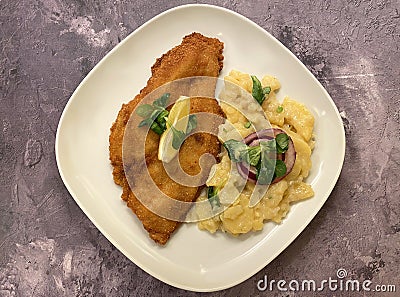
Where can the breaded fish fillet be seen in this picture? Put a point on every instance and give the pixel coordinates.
(197, 55)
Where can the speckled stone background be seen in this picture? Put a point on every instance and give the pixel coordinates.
(48, 247)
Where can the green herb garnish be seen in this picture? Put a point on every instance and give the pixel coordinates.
(212, 196)
(146, 122)
(261, 156)
(258, 91)
(154, 114)
(247, 125)
(161, 119)
(279, 109)
(178, 138)
(144, 110)
(237, 150)
(162, 101)
(265, 174)
(282, 142)
(254, 153)
(156, 128)
(192, 123)
(280, 168)
(266, 166)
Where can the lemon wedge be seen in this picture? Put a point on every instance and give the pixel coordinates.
(178, 117)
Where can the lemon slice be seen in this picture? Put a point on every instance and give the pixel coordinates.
(179, 118)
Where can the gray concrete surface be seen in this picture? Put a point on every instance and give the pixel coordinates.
(48, 247)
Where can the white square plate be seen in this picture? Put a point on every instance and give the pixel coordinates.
(192, 259)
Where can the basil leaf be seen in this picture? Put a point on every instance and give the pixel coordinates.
(162, 101)
(265, 170)
(144, 110)
(257, 90)
(254, 153)
(155, 114)
(244, 155)
(266, 166)
(280, 168)
(192, 124)
(178, 138)
(212, 196)
(268, 146)
(279, 150)
(263, 176)
(282, 141)
(237, 150)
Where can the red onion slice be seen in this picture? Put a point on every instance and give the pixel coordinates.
(246, 171)
(267, 134)
(289, 157)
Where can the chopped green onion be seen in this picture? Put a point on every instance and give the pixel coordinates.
(156, 128)
(162, 115)
(279, 109)
(247, 125)
(266, 90)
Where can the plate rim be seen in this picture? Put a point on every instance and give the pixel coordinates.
(133, 258)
